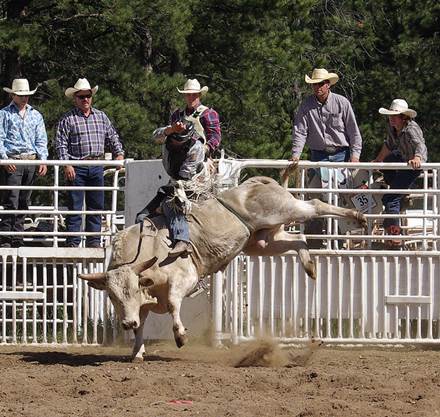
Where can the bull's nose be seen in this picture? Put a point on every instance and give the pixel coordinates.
(127, 324)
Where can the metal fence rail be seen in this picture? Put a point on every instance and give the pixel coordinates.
(362, 294)
(358, 297)
(41, 298)
(369, 295)
(55, 211)
(43, 301)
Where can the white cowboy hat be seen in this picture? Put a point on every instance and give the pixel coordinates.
(20, 87)
(398, 106)
(81, 85)
(321, 74)
(193, 86)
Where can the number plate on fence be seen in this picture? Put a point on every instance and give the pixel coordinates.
(362, 203)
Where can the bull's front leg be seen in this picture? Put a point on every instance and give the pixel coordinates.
(179, 287)
(138, 351)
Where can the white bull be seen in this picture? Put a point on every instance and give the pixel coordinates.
(248, 218)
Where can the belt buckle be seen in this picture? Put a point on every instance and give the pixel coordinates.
(331, 149)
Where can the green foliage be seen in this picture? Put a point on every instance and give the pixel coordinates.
(252, 54)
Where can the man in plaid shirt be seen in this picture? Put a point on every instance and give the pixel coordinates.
(206, 119)
(83, 134)
(206, 124)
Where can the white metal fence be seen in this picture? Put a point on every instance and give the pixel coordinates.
(41, 298)
(364, 295)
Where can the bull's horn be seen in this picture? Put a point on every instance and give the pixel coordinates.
(97, 276)
(137, 269)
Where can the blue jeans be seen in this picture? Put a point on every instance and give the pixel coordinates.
(86, 176)
(176, 222)
(396, 178)
(341, 156)
(15, 200)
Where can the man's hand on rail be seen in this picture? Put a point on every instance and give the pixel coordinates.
(69, 172)
(354, 159)
(10, 168)
(294, 158)
(42, 170)
(119, 158)
(415, 162)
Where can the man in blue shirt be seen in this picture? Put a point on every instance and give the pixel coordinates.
(22, 136)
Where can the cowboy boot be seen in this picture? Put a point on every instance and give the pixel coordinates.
(180, 248)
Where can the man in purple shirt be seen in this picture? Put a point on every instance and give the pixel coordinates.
(83, 134)
(326, 123)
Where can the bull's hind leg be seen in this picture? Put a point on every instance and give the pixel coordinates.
(319, 208)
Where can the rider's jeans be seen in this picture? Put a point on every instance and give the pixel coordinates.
(396, 179)
(176, 222)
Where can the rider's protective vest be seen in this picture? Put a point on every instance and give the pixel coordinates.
(176, 156)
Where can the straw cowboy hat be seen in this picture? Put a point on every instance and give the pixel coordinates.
(81, 85)
(321, 74)
(193, 86)
(398, 106)
(20, 87)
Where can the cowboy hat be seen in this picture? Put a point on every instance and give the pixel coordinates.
(398, 106)
(20, 87)
(81, 85)
(193, 86)
(321, 74)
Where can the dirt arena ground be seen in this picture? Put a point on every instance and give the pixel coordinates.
(251, 380)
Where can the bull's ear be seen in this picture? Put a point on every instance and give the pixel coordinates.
(97, 280)
(137, 269)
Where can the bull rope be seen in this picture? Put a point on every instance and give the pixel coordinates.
(200, 187)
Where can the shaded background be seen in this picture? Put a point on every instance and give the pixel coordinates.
(252, 54)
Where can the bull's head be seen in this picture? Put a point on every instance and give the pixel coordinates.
(127, 292)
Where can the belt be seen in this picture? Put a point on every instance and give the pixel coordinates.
(23, 156)
(334, 149)
(93, 158)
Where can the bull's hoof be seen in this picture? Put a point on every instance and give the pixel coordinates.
(180, 340)
(310, 269)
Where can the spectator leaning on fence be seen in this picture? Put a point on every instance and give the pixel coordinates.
(22, 137)
(83, 134)
(326, 123)
(404, 143)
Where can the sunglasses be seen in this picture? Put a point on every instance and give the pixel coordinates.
(83, 97)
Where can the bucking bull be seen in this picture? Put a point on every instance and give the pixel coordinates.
(249, 218)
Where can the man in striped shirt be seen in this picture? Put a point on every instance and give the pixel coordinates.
(83, 134)
(22, 136)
